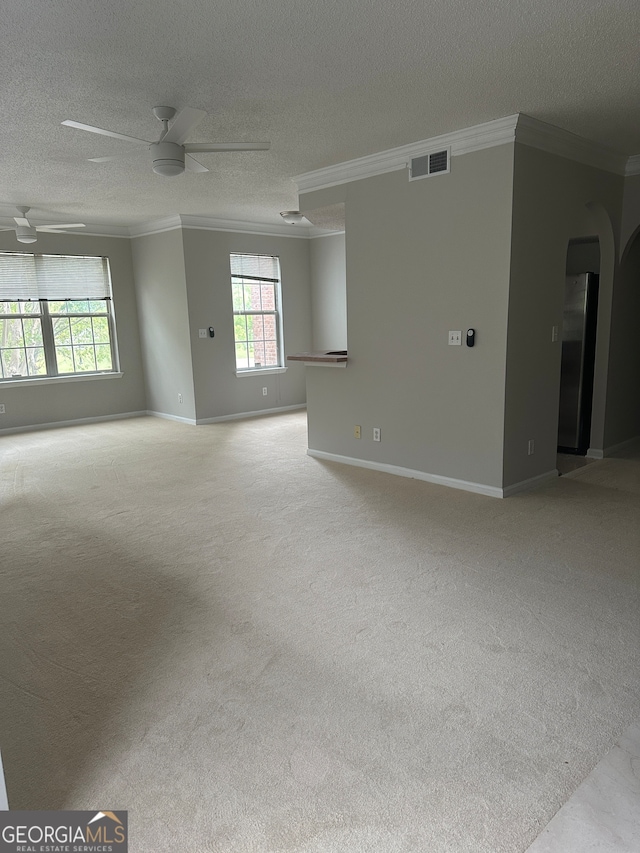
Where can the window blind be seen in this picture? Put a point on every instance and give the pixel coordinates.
(25, 277)
(259, 267)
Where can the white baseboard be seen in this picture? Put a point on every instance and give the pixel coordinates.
(241, 415)
(594, 453)
(465, 485)
(531, 483)
(76, 422)
(168, 417)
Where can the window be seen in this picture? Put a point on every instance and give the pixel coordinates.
(255, 285)
(55, 316)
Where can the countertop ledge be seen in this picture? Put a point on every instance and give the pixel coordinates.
(320, 357)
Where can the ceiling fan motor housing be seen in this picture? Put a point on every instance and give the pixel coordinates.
(26, 233)
(168, 158)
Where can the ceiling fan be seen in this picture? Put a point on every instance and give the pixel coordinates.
(27, 233)
(170, 154)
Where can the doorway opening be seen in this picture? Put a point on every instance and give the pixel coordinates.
(579, 321)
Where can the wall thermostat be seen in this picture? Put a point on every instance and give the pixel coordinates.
(471, 337)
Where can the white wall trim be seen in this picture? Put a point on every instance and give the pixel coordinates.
(206, 223)
(167, 417)
(555, 140)
(633, 166)
(623, 445)
(487, 135)
(531, 483)
(594, 453)
(76, 422)
(465, 485)
(322, 233)
(90, 230)
(157, 226)
(240, 415)
(40, 381)
(515, 128)
(233, 226)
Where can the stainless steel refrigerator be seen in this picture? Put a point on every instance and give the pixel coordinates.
(578, 360)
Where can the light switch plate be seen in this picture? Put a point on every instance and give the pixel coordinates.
(202, 333)
(455, 339)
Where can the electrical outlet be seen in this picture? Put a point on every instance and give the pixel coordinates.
(264, 392)
(376, 434)
(455, 339)
(530, 447)
(202, 333)
(2, 409)
(180, 398)
(357, 432)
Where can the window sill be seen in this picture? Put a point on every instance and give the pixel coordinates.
(51, 380)
(261, 371)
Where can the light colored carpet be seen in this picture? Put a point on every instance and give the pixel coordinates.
(251, 650)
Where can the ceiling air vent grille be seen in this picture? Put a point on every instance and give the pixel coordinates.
(436, 163)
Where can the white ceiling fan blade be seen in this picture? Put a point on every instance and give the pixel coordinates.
(192, 165)
(134, 152)
(20, 220)
(184, 122)
(89, 127)
(204, 147)
(53, 228)
(4, 228)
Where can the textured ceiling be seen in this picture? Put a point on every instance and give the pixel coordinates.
(323, 81)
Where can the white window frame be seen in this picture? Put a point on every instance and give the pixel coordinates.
(10, 293)
(277, 313)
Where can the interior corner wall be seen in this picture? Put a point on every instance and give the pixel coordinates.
(555, 200)
(78, 399)
(218, 391)
(622, 421)
(328, 292)
(630, 211)
(159, 267)
(422, 258)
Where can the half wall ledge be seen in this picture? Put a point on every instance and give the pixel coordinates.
(323, 358)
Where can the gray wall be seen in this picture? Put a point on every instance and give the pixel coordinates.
(583, 256)
(328, 292)
(158, 261)
(44, 403)
(422, 258)
(218, 391)
(630, 211)
(623, 386)
(555, 200)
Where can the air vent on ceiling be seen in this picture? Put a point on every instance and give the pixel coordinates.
(435, 163)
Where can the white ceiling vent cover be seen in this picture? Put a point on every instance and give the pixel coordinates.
(436, 163)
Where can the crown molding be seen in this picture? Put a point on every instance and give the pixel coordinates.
(234, 226)
(514, 128)
(208, 223)
(91, 229)
(487, 135)
(633, 166)
(101, 231)
(554, 140)
(316, 233)
(157, 226)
